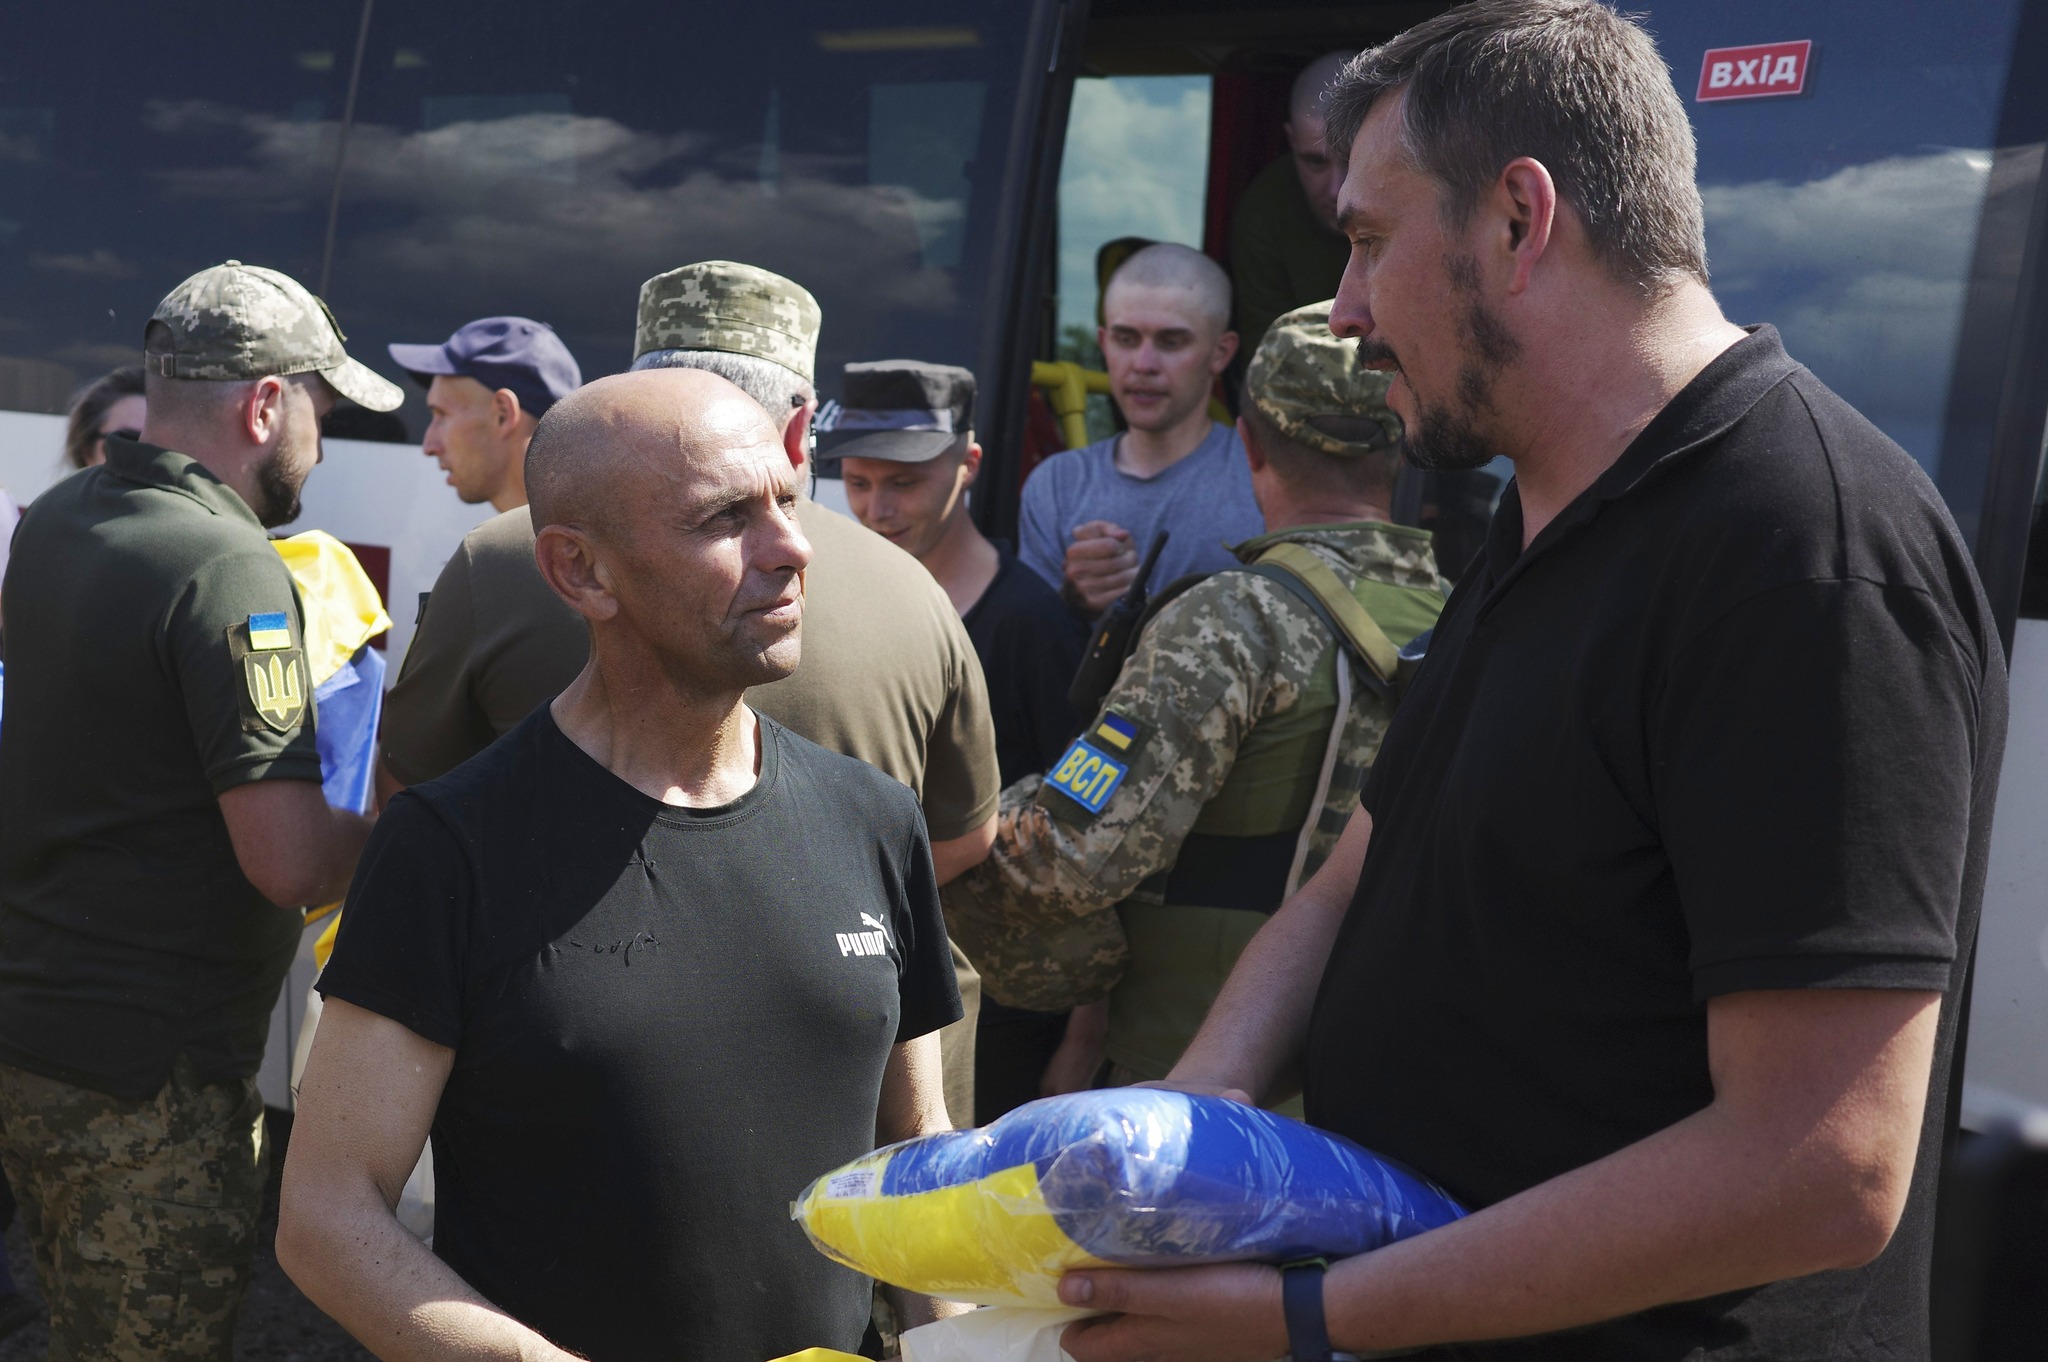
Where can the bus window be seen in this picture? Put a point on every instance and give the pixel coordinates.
(541, 158)
(1848, 215)
(1136, 165)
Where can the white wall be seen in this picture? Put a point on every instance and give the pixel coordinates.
(2006, 1069)
(362, 493)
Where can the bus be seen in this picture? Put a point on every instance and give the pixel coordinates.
(1871, 171)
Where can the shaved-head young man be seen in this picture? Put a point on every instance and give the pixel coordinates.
(1088, 514)
(1649, 938)
(645, 966)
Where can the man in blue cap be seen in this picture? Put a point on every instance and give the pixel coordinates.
(487, 386)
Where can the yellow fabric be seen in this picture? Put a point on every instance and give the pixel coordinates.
(990, 1242)
(822, 1355)
(323, 945)
(342, 608)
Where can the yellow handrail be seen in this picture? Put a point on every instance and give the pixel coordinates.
(1067, 386)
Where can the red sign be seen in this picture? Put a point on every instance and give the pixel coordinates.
(1755, 72)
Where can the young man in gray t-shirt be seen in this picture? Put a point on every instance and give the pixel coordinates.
(1089, 514)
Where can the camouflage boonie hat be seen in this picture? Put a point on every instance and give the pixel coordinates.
(238, 321)
(721, 305)
(1301, 373)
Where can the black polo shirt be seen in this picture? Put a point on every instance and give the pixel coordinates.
(1732, 721)
(136, 693)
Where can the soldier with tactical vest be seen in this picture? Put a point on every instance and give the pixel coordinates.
(1226, 758)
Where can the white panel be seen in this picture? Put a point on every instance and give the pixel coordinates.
(363, 493)
(2007, 1061)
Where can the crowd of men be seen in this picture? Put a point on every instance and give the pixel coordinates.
(1623, 888)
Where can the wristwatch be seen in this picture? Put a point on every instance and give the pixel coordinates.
(1301, 1299)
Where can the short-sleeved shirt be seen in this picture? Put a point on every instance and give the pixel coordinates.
(1205, 501)
(1030, 645)
(155, 660)
(1732, 721)
(887, 674)
(666, 1022)
(1281, 257)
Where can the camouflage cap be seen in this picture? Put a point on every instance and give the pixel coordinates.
(721, 305)
(1302, 376)
(238, 321)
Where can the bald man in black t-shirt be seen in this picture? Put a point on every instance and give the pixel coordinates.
(646, 965)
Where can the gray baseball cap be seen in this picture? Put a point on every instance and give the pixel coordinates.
(236, 321)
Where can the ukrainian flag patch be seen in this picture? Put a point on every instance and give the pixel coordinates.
(1087, 776)
(269, 632)
(1117, 732)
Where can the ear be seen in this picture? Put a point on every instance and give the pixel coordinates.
(970, 464)
(1252, 453)
(1224, 351)
(505, 410)
(796, 436)
(1526, 199)
(262, 411)
(568, 562)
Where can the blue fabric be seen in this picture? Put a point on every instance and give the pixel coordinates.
(346, 708)
(1145, 1177)
(1205, 500)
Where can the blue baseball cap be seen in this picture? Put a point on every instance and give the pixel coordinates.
(500, 352)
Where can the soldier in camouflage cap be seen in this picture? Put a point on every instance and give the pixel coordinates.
(1229, 755)
(162, 821)
(238, 321)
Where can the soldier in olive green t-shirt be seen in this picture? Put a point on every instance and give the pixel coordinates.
(162, 822)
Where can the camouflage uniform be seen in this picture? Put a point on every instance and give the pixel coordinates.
(142, 1214)
(133, 1137)
(1225, 713)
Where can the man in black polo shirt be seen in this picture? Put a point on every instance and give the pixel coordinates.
(646, 965)
(1649, 938)
(161, 820)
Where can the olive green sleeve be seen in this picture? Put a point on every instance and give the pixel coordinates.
(432, 723)
(248, 698)
(961, 784)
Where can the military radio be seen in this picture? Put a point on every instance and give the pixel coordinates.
(1110, 644)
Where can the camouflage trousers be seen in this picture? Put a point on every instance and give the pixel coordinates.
(142, 1214)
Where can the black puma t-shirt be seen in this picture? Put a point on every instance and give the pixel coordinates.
(666, 1022)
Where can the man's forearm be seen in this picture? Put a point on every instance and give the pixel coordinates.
(399, 1300)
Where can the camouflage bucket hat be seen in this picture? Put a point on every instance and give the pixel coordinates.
(721, 305)
(1309, 384)
(238, 321)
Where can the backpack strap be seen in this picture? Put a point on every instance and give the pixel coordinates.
(1298, 569)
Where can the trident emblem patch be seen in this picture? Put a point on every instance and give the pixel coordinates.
(275, 688)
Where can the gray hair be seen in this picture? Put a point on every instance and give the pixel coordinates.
(1570, 83)
(1167, 265)
(779, 390)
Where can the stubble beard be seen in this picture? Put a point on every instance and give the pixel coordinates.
(278, 489)
(1450, 438)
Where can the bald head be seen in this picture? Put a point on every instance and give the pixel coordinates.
(1181, 270)
(621, 443)
(1305, 100)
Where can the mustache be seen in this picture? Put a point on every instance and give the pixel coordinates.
(1375, 352)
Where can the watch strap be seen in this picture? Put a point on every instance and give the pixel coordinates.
(1301, 1298)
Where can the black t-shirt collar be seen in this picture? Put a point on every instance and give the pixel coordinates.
(602, 783)
(148, 465)
(1718, 396)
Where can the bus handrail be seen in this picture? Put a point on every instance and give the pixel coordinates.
(1067, 386)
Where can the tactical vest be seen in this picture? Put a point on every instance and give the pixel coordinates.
(1292, 788)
